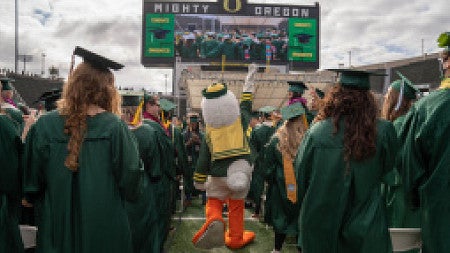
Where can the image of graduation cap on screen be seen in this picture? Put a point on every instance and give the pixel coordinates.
(297, 86)
(96, 61)
(158, 32)
(49, 99)
(355, 79)
(303, 38)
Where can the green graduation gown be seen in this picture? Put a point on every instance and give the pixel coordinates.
(281, 213)
(142, 214)
(192, 152)
(15, 115)
(163, 188)
(83, 211)
(10, 192)
(259, 137)
(399, 214)
(343, 211)
(426, 167)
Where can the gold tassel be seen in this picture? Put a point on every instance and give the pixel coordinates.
(137, 116)
(305, 121)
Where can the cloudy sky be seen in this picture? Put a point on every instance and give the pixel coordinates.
(373, 30)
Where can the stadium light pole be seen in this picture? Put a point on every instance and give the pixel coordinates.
(43, 64)
(349, 59)
(16, 54)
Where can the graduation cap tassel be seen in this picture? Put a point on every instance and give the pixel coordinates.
(137, 116)
(400, 97)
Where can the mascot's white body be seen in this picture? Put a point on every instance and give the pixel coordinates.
(222, 114)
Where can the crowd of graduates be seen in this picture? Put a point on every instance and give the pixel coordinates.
(339, 171)
(236, 45)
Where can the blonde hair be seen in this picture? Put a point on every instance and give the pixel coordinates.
(86, 86)
(388, 111)
(290, 135)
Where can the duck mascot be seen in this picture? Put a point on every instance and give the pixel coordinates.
(224, 169)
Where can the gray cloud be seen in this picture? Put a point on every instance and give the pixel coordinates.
(374, 31)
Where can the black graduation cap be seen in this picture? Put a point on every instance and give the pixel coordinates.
(97, 61)
(303, 38)
(159, 33)
(50, 98)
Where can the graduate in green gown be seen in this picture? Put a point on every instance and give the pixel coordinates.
(164, 187)
(259, 137)
(426, 160)
(83, 163)
(316, 102)
(193, 137)
(10, 185)
(340, 163)
(295, 94)
(283, 205)
(9, 106)
(142, 213)
(398, 100)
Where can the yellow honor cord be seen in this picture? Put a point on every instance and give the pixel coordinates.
(445, 84)
(289, 179)
(305, 121)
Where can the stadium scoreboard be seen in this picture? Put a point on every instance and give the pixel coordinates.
(293, 37)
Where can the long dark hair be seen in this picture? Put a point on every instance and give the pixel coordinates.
(358, 109)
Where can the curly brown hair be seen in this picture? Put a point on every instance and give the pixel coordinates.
(86, 86)
(388, 111)
(358, 109)
(290, 135)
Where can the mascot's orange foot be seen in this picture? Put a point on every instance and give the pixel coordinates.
(211, 235)
(237, 242)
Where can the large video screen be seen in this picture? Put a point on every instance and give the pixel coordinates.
(230, 31)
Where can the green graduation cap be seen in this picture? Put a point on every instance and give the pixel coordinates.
(320, 93)
(97, 61)
(6, 83)
(166, 105)
(297, 86)
(267, 109)
(354, 79)
(292, 111)
(409, 91)
(444, 41)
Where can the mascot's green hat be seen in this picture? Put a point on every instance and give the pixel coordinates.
(215, 90)
(292, 111)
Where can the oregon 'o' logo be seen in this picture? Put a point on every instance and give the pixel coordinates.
(226, 6)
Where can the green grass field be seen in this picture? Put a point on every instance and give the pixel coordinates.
(189, 221)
